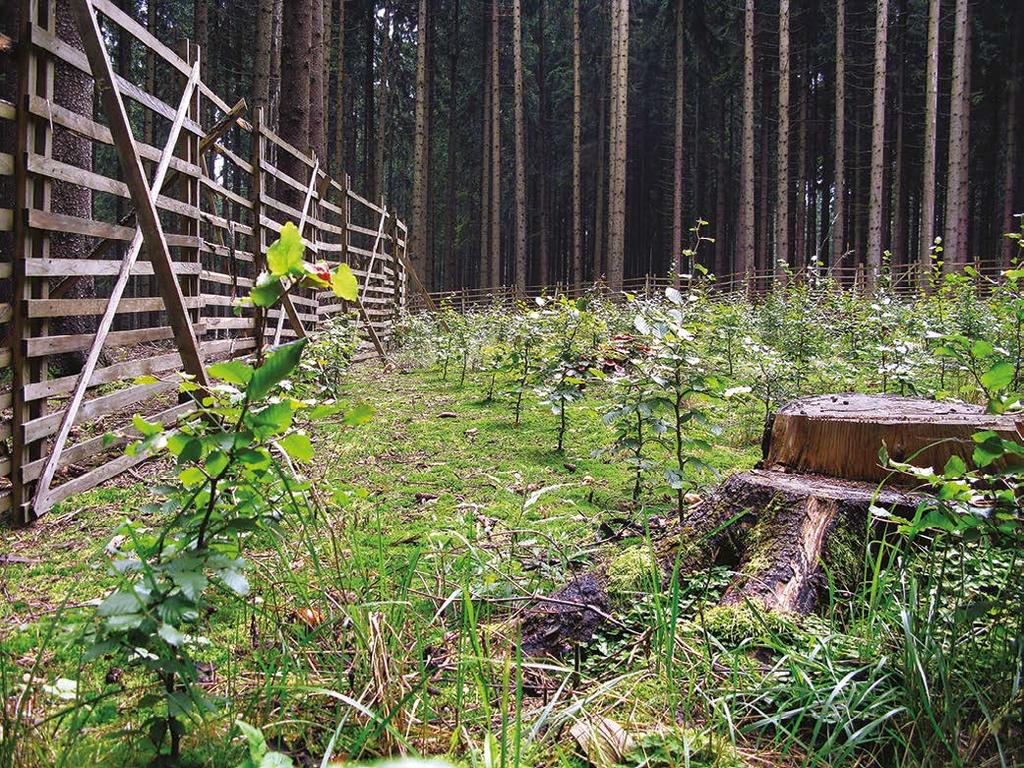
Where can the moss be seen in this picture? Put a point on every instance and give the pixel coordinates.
(630, 572)
(680, 745)
(734, 624)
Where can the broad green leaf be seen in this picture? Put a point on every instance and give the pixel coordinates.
(276, 760)
(257, 744)
(998, 376)
(982, 349)
(146, 428)
(298, 446)
(235, 581)
(191, 477)
(955, 467)
(171, 635)
(231, 371)
(266, 291)
(361, 414)
(344, 283)
(119, 603)
(284, 257)
(275, 369)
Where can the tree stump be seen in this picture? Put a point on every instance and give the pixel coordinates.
(840, 435)
(805, 513)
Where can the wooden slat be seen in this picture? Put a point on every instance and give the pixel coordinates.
(74, 342)
(97, 408)
(97, 267)
(54, 169)
(36, 308)
(59, 222)
(90, 129)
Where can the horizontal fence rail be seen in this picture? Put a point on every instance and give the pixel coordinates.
(903, 280)
(81, 287)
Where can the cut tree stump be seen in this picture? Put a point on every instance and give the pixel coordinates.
(840, 435)
(804, 515)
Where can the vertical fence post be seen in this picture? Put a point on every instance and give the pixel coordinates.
(346, 218)
(190, 191)
(395, 269)
(259, 315)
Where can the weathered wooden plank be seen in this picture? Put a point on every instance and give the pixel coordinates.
(74, 342)
(90, 129)
(97, 267)
(100, 444)
(8, 110)
(286, 146)
(6, 164)
(6, 219)
(36, 308)
(96, 408)
(60, 222)
(54, 169)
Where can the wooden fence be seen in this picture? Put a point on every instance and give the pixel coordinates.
(903, 280)
(175, 223)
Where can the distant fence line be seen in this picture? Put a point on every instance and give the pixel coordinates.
(903, 280)
(225, 196)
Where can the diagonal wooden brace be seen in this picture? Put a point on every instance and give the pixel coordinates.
(41, 502)
(286, 299)
(135, 178)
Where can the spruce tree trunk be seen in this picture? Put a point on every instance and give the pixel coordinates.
(483, 266)
(744, 260)
(931, 111)
(261, 58)
(620, 107)
(383, 101)
(369, 99)
(1011, 141)
(782, 253)
(874, 252)
(419, 184)
(451, 278)
(542, 162)
(839, 160)
(339, 95)
(495, 258)
(577, 132)
(952, 254)
(295, 81)
(676, 256)
(317, 132)
(520, 149)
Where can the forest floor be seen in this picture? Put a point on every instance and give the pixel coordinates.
(386, 624)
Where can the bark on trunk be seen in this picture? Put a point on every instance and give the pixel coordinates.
(520, 148)
(577, 129)
(419, 192)
(782, 255)
(874, 251)
(744, 260)
(931, 104)
(839, 161)
(676, 257)
(953, 256)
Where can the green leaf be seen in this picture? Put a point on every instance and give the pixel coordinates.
(146, 428)
(191, 477)
(361, 414)
(955, 467)
(274, 419)
(298, 446)
(191, 583)
(982, 349)
(344, 283)
(998, 376)
(266, 291)
(171, 635)
(275, 369)
(119, 603)
(235, 581)
(257, 744)
(276, 760)
(231, 371)
(284, 257)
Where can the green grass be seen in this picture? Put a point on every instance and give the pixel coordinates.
(387, 623)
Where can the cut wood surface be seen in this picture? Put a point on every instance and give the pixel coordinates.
(840, 435)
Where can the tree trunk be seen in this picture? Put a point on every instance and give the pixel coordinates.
(295, 82)
(484, 270)
(317, 131)
(72, 90)
(953, 257)
(369, 98)
(542, 162)
(201, 32)
(676, 257)
(276, 45)
(1011, 142)
(931, 110)
(745, 237)
(619, 143)
(495, 259)
(782, 254)
(261, 63)
(520, 148)
(800, 214)
(419, 184)
(899, 174)
(873, 261)
(600, 181)
(839, 161)
(577, 132)
(339, 95)
(451, 279)
(383, 100)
